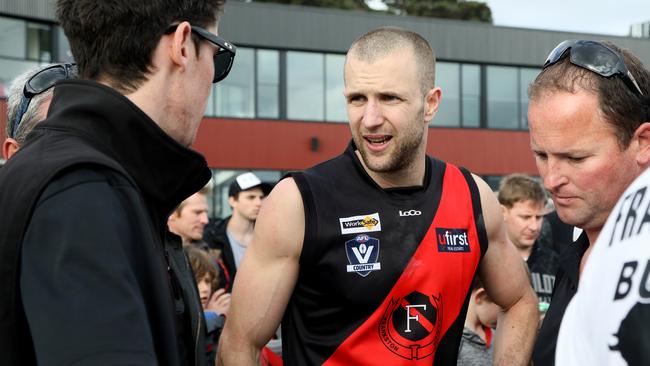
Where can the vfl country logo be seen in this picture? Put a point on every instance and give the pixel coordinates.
(410, 326)
(452, 240)
(360, 224)
(362, 252)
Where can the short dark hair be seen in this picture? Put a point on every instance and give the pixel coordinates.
(114, 40)
(621, 107)
(381, 41)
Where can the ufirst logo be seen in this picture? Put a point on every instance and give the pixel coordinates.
(452, 240)
(410, 213)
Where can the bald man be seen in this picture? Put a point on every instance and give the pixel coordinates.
(368, 258)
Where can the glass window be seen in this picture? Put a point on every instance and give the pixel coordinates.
(305, 86)
(235, 95)
(39, 42)
(9, 69)
(502, 97)
(12, 38)
(268, 84)
(336, 107)
(471, 99)
(448, 79)
(526, 77)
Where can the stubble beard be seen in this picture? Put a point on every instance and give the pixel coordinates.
(404, 154)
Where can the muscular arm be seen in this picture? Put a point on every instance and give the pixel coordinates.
(504, 276)
(266, 278)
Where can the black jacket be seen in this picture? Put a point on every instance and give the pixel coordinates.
(84, 277)
(217, 239)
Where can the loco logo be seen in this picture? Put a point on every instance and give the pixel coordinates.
(410, 327)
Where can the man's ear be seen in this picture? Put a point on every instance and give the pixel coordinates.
(642, 139)
(431, 103)
(181, 44)
(479, 296)
(9, 147)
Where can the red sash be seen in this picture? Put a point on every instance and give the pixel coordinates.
(429, 295)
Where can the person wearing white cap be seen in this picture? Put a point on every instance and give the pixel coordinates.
(231, 236)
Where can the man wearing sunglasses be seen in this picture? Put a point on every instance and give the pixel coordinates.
(84, 277)
(589, 132)
(28, 101)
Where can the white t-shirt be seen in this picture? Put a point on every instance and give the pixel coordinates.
(608, 320)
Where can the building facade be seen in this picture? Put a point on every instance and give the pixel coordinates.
(282, 107)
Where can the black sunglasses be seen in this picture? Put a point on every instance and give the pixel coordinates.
(39, 83)
(595, 57)
(223, 59)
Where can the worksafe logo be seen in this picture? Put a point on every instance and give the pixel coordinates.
(410, 326)
(452, 240)
(363, 255)
(360, 224)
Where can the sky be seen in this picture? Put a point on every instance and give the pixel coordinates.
(584, 16)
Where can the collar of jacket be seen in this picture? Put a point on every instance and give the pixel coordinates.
(164, 170)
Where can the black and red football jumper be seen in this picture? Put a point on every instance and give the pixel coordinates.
(384, 273)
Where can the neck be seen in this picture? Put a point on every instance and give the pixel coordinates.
(241, 228)
(473, 324)
(409, 176)
(592, 235)
(524, 252)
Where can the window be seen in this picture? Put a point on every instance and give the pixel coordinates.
(268, 84)
(448, 79)
(502, 97)
(39, 42)
(335, 105)
(235, 95)
(527, 77)
(305, 86)
(13, 38)
(471, 97)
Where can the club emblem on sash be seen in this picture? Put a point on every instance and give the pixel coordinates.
(411, 325)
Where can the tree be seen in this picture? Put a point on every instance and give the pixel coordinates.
(449, 9)
(339, 4)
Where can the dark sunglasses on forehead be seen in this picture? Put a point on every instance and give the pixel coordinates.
(595, 57)
(225, 56)
(40, 83)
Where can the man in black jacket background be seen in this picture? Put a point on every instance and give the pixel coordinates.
(84, 275)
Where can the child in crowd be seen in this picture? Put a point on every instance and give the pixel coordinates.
(215, 303)
(476, 343)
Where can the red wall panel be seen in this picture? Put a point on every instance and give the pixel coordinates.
(284, 145)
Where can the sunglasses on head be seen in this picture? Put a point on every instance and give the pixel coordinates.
(223, 59)
(40, 83)
(595, 57)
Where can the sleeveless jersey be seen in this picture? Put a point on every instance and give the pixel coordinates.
(385, 274)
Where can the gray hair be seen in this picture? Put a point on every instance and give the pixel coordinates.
(31, 116)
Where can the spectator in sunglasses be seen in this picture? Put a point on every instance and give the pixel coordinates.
(590, 135)
(86, 199)
(36, 110)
